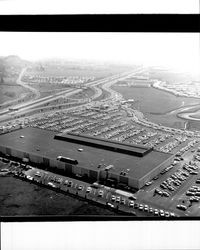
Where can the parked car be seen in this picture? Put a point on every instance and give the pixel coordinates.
(88, 190)
(51, 184)
(181, 207)
(131, 204)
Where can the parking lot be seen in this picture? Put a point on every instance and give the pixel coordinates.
(171, 189)
(110, 120)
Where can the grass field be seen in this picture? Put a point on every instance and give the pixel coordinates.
(9, 93)
(46, 89)
(151, 100)
(43, 87)
(85, 93)
(167, 120)
(193, 125)
(157, 104)
(18, 197)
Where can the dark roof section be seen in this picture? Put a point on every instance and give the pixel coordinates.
(124, 148)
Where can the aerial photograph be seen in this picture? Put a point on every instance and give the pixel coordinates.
(100, 124)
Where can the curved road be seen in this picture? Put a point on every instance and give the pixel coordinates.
(180, 111)
(189, 116)
(104, 83)
(19, 81)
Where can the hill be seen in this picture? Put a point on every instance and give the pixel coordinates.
(11, 66)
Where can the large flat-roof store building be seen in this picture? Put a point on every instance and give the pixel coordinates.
(97, 159)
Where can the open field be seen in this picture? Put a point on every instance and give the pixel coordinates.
(170, 120)
(197, 115)
(85, 93)
(157, 105)
(193, 125)
(155, 101)
(9, 92)
(47, 89)
(18, 197)
(44, 87)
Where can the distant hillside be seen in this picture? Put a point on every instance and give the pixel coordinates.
(15, 61)
(11, 66)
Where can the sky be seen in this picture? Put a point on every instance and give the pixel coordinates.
(97, 6)
(174, 50)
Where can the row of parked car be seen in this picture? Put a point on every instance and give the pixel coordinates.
(142, 207)
(161, 192)
(173, 182)
(191, 168)
(194, 196)
(171, 145)
(151, 210)
(194, 193)
(159, 139)
(187, 147)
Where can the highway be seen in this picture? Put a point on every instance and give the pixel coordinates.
(25, 107)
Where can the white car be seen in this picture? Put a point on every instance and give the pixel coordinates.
(110, 205)
(131, 204)
(141, 207)
(113, 198)
(66, 182)
(148, 183)
(80, 187)
(51, 184)
(88, 190)
(156, 212)
(162, 213)
(118, 199)
(29, 177)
